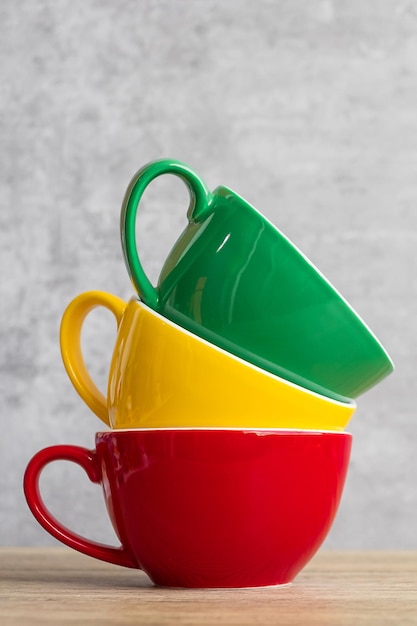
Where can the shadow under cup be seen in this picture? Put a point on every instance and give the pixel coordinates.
(207, 508)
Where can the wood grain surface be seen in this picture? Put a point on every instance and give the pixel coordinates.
(58, 586)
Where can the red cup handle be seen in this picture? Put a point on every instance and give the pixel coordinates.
(87, 459)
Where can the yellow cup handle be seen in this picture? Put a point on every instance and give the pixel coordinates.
(70, 341)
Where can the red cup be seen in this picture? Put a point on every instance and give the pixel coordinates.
(207, 508)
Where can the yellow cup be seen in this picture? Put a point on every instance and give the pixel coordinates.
(163, 376)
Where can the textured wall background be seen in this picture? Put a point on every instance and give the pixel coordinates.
(307, 109)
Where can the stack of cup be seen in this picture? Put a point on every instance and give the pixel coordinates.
(229, 391)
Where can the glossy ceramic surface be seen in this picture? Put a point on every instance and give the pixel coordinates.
(236, 280)
(207, 508)
(161, 375)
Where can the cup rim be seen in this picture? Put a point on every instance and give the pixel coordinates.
(225, 429)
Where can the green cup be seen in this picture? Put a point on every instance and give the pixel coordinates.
(234, 279)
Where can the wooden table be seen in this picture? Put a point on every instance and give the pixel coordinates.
(57, 586)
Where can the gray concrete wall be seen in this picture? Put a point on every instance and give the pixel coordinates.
(306, 108)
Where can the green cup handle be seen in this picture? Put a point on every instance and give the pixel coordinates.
(200, 203)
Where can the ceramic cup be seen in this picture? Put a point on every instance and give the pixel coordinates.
(161, 375)
(207, 508)
(234, 279)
